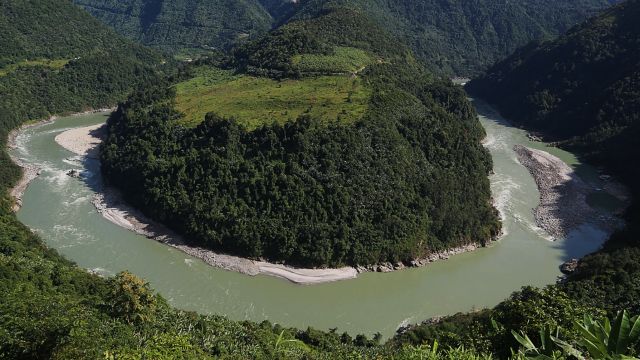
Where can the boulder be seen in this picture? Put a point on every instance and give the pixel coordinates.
(569, 267)
(73, 173)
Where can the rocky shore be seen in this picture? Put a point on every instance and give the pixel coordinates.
(563, 195)
(563, 205)
(110, 205)
(29, 171)
(433, 257)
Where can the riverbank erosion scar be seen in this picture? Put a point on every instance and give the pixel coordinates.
(29, 171)
(110, 204)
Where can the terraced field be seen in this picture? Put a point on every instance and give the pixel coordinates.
(255, 101)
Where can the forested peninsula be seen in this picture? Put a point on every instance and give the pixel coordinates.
(391, 170)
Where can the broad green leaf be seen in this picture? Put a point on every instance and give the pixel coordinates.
(524, 341)
(618, 337)
(568, 348)
(585, 331)
(634, 333)
(596, 350)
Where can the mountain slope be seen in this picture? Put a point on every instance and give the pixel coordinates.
(191, 24)
(581, 89)
(72, 63)
(36, 29)
(454, 37)
(465, 37)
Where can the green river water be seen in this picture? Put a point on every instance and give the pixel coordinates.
(58, 208)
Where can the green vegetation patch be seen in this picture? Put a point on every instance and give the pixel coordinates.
(343, 60)
(52, 64)
(254, 101)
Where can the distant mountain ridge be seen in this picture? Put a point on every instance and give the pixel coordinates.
(452, 38)
(465, 37)
(582, 89)
(177, 24)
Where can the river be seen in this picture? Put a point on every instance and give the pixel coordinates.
(58, 208)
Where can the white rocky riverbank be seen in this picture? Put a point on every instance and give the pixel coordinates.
(563, 194)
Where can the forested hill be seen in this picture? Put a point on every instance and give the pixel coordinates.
(465, 37)
(71, 60)
(354, 155)
(189, 24)
(582, 89)
(37, 29)
(450, 37)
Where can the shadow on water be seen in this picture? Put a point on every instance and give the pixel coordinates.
(587, 211)
(91, 163)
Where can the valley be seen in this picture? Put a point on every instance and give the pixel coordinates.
(319, 179)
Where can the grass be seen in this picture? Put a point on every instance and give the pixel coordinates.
(343, 60)
(254, 101)
(53, 64)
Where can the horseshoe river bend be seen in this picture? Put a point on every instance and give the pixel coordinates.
(58, 207)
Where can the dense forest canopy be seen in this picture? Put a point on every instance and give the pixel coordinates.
(188, 24)
(29, 31)
(50, 66)
(450, 37)
(406, 179)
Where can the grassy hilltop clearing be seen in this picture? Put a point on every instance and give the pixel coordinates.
(254, 101)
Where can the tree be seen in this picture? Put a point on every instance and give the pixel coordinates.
(131, 298)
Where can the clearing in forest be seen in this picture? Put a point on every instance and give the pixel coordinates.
(254, 101)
